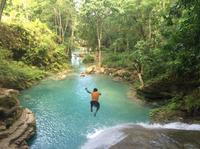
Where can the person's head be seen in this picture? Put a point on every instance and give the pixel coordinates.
(95, 90)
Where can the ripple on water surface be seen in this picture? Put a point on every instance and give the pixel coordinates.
(62, 110)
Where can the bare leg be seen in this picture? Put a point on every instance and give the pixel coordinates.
(97, 109)
(91, 106)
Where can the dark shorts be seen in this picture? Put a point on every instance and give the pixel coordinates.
(95, 103)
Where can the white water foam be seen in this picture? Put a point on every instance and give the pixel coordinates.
(175, 125)
(95, 133)
(104, 138)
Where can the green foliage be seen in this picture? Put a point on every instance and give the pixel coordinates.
(33, 44)
(26, 50)
(161, 37)
(59, 15)
(158, 39)
(88, 59)
(115, 60)
(179, 106)
(192, 101)
(93, 19)
(16, 39)
(18, 75)
(5, 54)
(47, 54)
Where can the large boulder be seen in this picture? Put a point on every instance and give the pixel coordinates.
(9, 107)
(8, 92)
(17, 125)
(90, 69)
(17, 135)
(94, 69)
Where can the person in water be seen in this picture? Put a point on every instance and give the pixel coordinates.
(94, 102)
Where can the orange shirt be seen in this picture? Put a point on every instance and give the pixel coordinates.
(95, 96)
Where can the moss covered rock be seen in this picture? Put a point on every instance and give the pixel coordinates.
(183, 108)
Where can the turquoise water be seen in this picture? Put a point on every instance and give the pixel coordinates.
(63, 114)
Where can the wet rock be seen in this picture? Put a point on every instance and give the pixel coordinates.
(147, 136)
(90, 69)
(121, 74)
(9, 107)
(94, 69)
(138, 137)
(82, 74)
(23, 129)
(2, 127)
(102, 70)
(8, 92)
(16, 124)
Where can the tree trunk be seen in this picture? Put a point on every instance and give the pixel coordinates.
(139, 69)
(142, 31)
(69, 53)
(60, 26)
(2, 6)
(99, 50)
(71, 39)
(99, 36)
(56, 21)
(150, 26)
(141, 80)
(164, 5)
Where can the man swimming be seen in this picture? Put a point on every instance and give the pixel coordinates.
(94, 102)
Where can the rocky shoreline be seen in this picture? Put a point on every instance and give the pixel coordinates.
(118, 74)
(17, 125)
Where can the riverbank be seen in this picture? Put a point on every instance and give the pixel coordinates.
(17, 125)
(171, 100)
(118, 74)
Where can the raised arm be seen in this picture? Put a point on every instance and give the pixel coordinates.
(87, 91)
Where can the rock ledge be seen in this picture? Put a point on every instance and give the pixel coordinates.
(22, 129)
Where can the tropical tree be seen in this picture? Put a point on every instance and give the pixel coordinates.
(2, 6)
(93, 18)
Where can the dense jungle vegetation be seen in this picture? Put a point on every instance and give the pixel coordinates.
(34, 40)
(157, 39)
